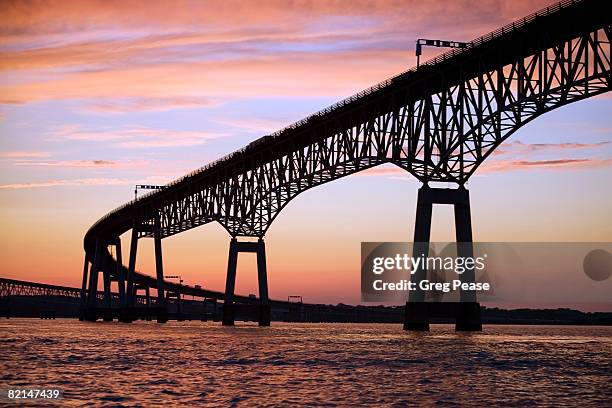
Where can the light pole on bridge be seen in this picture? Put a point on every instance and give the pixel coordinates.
(436, 43)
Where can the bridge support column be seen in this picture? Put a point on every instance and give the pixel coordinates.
(262, 278)
(230, 284)
(162, 305)
(107, 315)
(148, 303)
(264, 303)
(84, 289)
(127, 313)
(120, 273)
(467, 312)
(91, 310)
(179, 307)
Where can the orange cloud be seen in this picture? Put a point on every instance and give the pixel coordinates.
(298, 74)
(394, 172)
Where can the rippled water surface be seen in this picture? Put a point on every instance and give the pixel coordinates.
(317, 364)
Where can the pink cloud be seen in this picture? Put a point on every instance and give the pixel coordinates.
(520, 147)
(53, 16)
(23, 155)
(394, 172)
(126, 105)
(497, 164)
(557, 164)
(67, 183)
(144, 51)
(134, 137)
(258, 125)
(86, 163)
(87, 182)
(288, 74)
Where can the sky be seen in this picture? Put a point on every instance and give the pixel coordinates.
(97, 96)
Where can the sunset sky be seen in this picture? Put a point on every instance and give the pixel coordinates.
(97, 96)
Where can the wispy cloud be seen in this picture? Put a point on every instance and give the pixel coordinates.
(558, 164)
(294, 74)
(255, 125)
(501, 162)
(130, 105)
(392, 172)
(48, 18)
(133, 137)
(516, 147)
(85, 163)
(67, 183)
(23, 155)
(148, 52)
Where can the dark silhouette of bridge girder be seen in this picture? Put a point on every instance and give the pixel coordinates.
(438, 122)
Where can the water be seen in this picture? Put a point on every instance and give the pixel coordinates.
(315, 364)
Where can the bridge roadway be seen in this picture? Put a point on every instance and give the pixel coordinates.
(438, 122)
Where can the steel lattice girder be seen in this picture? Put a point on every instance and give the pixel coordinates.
(443, 136)
(439, 123)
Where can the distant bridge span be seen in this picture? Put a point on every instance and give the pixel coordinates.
(438, 122)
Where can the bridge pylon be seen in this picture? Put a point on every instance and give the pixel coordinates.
(90, 307)
(90, 310)
(467, 310)
(229, 307)
(162, 304)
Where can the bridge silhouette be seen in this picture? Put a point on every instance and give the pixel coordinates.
(439, 122)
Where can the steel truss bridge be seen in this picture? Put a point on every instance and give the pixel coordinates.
(438, 122)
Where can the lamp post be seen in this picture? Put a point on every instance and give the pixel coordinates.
(436, 43)
(145, 187)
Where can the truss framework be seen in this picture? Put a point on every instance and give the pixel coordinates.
(440, 130)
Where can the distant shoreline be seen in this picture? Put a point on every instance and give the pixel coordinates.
(51, 307)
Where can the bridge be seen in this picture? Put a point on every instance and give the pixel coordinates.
(33, 299)
(438, 122)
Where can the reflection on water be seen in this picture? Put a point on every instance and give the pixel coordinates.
(316, 364)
